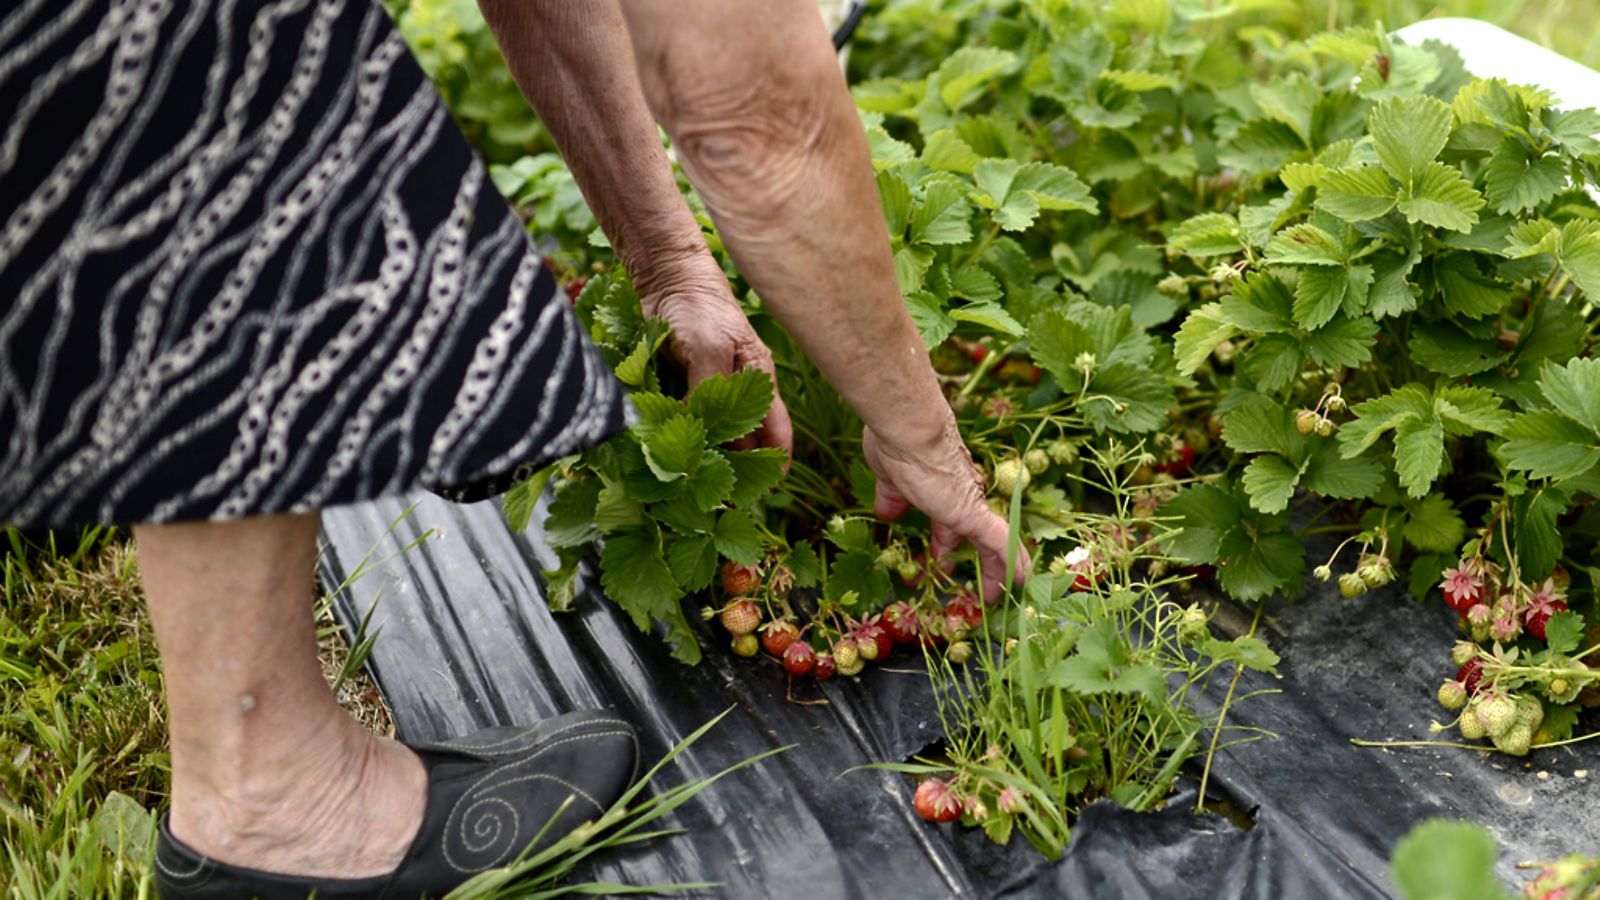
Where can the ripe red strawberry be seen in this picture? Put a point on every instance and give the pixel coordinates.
(576, 287)
(936, 801)
(1539, 616)
(777, 635)
(901, 622)
(741, 617)
(967, 606)
(1469, 675)
(739, 580)
(1179, 460)
(799, 658)
(824, 666)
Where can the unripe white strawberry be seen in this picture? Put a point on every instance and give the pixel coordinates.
(1452, 695)
(1497, 713)
(1351, 585)
(1036, 461)
(1305, 421)
(1008, 473)
(1463, 652)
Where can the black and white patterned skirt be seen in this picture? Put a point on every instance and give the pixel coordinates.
(248, 265)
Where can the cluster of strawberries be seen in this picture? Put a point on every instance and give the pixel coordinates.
(1494, 611)
(849, 644)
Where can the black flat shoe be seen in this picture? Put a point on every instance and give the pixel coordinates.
(489, 794)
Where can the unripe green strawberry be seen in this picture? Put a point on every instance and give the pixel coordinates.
(1560, 690)
(1036, 461)
(959, 652)
(1452, 695)
(867, 647)
(847, 657)
(1062, 452)
(741, 617)
(1517, 741)
(1305, 421)
(1192, 624)
(1463, 652)
(1008, 473)
(1325, 427)
(1323, 573)
(1497, 713)
(1530, 712)
(1471, 726)
(746, 645)
(1351, 585)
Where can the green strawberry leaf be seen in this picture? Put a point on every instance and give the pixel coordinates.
(1017, 193)
(737, 537)
(755, 472)
(1548, 444)
(1329, 474)
(1357, 194)
(731, 406)
(1269, 481)
(1434, 525)
(943, 216)
(1408, 133)
(1442, 197)
(676, 447)
(1440, 860)
(1418, 454)
(1209, 234)
(1203, 330)
(1574, 389)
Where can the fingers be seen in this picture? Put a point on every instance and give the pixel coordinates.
(776, 430)
(889, 504)
(989, 535)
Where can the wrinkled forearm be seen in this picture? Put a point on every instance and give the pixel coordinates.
(763, 124)
(574, 62)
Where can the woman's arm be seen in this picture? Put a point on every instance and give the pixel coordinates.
(758, 110)
(574, 63)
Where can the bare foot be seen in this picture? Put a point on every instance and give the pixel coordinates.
(345, 811)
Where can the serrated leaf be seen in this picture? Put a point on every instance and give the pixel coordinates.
(1440, 860)
(675, 447)
(975, 283)
(1126, 398)
(1200, 334)
(887, 151)
(1563, 632)
(1246, 649)
(857, 572)
(614, 509)
(1210, 234)
(1465, 410)
(737, 537)
(1357, 194)
(1324, 290)
(1017, 193)
(1273, 362)
(570, 521)
(911, 267)
(1466, 291)
(1380, 414)
(1574, 389)
(731, 406)
(1260, 425)
(712, 483)
(1254, 568)
(990, 315)
(1548, 444)
(1329, 474)
(1202, 517)
(1392, 292)
(518, 503)
(1057, 341)
(1307, 245)
(945, 151)
(1343, 341)
(1291, 100)
(894, 197)
(755, 472)
(635, 575)
(1261, 146)
(1408, 133)
(1444, 348)
(693, 561)
(1434, 525)
(1269, 481)
(1443, 198)
(964, 75)
(943, 215)
(1517, 180)
(930, 317)
(1418, 454)
(1260, 303)
(1538, 540)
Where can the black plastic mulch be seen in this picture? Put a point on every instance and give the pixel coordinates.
(467, 642)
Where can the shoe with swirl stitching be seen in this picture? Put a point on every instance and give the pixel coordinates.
(489, 795)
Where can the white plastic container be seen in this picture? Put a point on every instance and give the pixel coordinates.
(1492, 52)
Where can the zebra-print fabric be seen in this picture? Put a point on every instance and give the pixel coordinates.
(248, 265)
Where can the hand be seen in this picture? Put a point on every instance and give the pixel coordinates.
(711, 336)
(944, 483)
